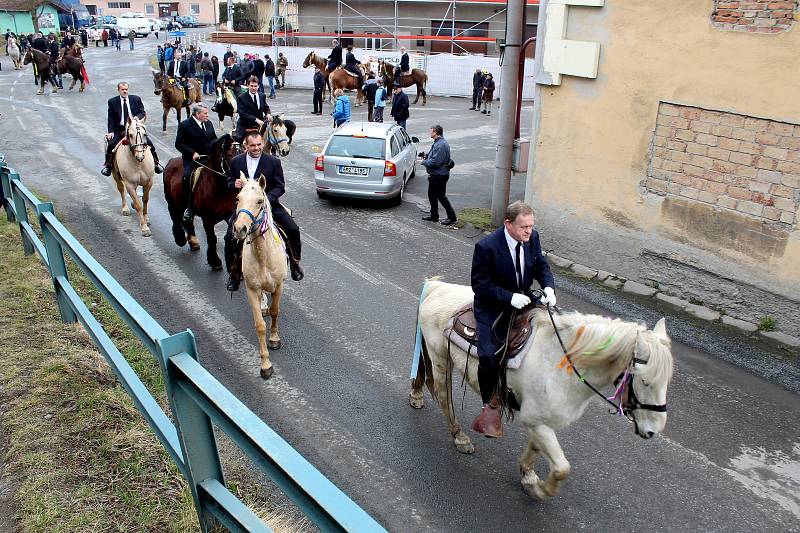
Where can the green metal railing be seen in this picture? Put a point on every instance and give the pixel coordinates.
(197, 399)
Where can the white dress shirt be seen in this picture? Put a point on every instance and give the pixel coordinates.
(123, 103)
(512, 247)
(252, 166)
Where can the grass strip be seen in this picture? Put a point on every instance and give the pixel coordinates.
(479, 217)
(77, 450)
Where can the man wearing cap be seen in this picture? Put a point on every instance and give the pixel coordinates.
(400, 106)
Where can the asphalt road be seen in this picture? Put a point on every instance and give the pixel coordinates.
(729, 459)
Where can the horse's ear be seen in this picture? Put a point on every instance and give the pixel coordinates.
(143, 119)
(262, 181)
(660, 329)
(242, 176)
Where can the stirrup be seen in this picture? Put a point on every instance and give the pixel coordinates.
(188, 215)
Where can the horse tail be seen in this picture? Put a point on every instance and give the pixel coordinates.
(421, 367)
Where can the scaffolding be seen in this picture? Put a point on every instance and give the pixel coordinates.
(385, 32)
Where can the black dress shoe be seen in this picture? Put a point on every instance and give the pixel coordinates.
(472, 109)
(430, 219)
(233, 283)
(297, 272)
(448, 221)
(106, 171)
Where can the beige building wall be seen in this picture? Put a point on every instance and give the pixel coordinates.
(597, 139)
(203, 10)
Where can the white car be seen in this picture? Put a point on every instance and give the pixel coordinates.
(366, 160)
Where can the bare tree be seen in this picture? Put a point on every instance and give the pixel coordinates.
(36, 8)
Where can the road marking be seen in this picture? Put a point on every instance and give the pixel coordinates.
(21, 124)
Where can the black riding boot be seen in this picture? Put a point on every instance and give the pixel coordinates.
(158, 168)
(295, 269)
(187, 193)
(106, 170)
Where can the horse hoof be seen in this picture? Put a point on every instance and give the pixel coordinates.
(417, 402)
(464, 446)
(146, 233)
(126, 212)
(267, 373)
(274, 345)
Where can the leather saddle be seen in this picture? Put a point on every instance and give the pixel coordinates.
(464, 327)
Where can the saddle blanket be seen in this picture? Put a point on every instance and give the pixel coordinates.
(472, 348)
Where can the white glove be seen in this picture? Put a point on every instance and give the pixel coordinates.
(519, 300)
(549, 297)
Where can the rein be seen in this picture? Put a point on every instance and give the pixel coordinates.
(626, 404)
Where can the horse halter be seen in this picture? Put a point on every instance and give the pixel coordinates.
(272, 139)
(261, 221)
(139, 140)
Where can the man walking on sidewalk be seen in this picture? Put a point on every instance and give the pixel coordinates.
(437, 163)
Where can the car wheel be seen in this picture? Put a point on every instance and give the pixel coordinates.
(321, 194)
(413, 171)
(398, 200)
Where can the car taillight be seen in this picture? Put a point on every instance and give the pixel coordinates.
(390, 169)
(319, 163)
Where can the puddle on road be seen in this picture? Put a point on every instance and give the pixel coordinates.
(770, 474)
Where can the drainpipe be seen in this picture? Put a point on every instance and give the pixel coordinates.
(520, 78)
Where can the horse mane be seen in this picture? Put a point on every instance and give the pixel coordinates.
(596, 342)
(218, 149)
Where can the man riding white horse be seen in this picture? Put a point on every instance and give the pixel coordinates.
(120, 109)
(504, 266)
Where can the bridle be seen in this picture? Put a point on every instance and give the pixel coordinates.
(139, 141)
(272, 138)
(624, 394)
(224, 165)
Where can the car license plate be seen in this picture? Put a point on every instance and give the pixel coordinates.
(353, 171)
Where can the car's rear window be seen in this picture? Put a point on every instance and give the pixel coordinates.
(364, 147)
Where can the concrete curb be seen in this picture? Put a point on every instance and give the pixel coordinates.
(646, 291)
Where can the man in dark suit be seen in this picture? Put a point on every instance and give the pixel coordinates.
(252, 108)
(504, 266)
(193, 141)
(182, 73)
(335, 59)
(232, 76)
(254, 164)
(319, 86)
(120, 108)
(258, 71)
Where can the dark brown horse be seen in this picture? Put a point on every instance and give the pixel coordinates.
(73, 66)
(41, 62)
(172, 95)
(211, 200)
(322, 63)
(343, 79)
(417, 77)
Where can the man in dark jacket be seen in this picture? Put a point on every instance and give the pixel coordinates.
(182, 72)
(258, 71)
(255, 164)
(120, 109)
(370, 87)
(252, 108)
(436, 163)
(228, 54)
(404, 67)
(54, 50)
(335, 59)
(193, 141)
(319, 86)
(40, 43)
(269, 72)
(504, 266)
(232, 76)
(477, 89)
(353, 65)
(400, 106)
(68, 41)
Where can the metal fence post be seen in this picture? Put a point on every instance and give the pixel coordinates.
(22, 215)
(55, 259)
(194, 427)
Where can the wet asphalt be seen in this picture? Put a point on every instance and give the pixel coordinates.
(729, 459)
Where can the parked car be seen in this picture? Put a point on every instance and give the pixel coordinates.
(366, 160)
(167, 20)
(109, 19)
(188, 21)
(140, 25)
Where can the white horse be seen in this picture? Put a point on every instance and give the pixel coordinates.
(132, 167)
(14, 53)
(550, 394)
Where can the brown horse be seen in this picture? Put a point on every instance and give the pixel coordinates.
(172, 95)
(322, 63)
(417, 77)
(73, 66)
(343, 79)
(211, 200)
(76, 50)
(41, 62)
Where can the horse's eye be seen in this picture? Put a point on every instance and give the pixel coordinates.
(260, 202)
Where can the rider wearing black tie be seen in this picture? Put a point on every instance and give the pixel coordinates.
(252, 108)
(120, 108)
(193, 141)
(182, 70)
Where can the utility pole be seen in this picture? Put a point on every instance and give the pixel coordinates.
(230, 15)
(515, 14)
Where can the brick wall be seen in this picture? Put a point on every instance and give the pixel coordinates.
(735, 162)
(761, 16)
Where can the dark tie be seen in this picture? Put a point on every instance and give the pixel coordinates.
(518, 268)
(255, 100)
(125, 110)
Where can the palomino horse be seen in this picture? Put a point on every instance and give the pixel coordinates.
(277, 134)
(549, 384)
(225, 106)
(322, 63)
(344, 79)
(41, 62)
(417, 77)
(172, 95)
(211, 199)
(263, 263)
(14, 53)
(133, 167)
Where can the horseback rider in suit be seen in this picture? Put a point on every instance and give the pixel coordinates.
(335, 59)
(182, 70)
(354, 65)
(255, 163)
(504, 266)
(120, 109)
(252, 108)
(232, 76)
(403, 67)
(193, 141)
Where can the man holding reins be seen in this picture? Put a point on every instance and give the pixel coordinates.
(193, 141)
(120, 109)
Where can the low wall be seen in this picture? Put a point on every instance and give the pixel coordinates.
(448, 74)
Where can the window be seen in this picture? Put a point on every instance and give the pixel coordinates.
(395, 146)
(401, 142)
(362, 147)
(149, 9)
(119, 5)
(195, 9)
